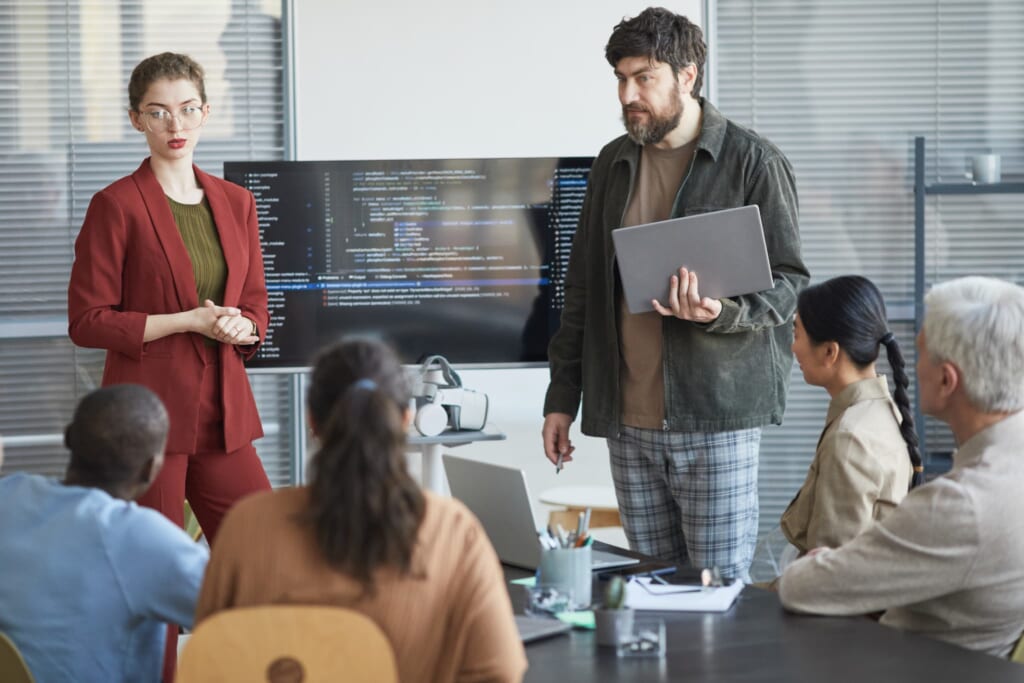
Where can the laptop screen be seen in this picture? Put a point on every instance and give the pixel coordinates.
(499, 498)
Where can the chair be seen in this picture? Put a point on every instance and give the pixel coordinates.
(575, 499)
(13, 668)
(287, 644)
(1017, 654)
(191, 525)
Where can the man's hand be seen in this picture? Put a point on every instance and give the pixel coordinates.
(556, 437)
(685, 302)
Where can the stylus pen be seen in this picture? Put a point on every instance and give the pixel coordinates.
(558, 465)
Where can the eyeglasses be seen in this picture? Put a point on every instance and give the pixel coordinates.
(160, 120)
(656, 585)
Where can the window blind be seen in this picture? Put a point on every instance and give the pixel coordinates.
(64, 135)
(842, 88)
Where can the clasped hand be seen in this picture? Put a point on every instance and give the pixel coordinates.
(226, 324)
(685, 302)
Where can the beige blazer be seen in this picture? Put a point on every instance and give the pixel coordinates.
(861, 470)
(948, 562)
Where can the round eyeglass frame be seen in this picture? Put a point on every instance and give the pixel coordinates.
(163, 124)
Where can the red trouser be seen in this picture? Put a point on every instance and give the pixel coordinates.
(210, 478)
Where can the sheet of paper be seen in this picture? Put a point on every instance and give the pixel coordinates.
(642, 593)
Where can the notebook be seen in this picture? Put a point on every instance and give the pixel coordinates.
(725, 248)
(500, 500)
(647, 594)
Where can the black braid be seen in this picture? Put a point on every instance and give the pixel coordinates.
(902, 382)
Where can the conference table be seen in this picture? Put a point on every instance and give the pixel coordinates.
(757, 640)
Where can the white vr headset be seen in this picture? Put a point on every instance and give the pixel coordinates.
(442, 402)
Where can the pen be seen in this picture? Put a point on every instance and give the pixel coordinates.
(558, 465)
(586, 521)
(563, 538)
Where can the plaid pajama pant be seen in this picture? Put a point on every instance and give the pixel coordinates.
(689, 497)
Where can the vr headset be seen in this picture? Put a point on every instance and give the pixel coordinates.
(441, 402)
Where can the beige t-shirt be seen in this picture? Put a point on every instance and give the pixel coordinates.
(641, 374)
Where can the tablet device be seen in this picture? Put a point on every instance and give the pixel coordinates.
(725, 248)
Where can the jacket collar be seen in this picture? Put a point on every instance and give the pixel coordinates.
(876, 388)
(167, 233)
(712, 136)
(1008, 431)
(169, 236)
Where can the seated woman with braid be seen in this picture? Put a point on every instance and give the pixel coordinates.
(867, 457)
(363, 535)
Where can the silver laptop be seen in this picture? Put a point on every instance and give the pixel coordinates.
(500, 500)
(725, 248)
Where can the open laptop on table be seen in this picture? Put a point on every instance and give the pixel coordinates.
(500, 500)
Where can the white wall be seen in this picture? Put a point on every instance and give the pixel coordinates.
(403, 79)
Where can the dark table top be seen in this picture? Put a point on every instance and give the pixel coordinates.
(757, 640)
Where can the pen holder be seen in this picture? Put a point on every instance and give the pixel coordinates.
(567, 570)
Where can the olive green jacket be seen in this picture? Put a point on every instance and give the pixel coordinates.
(732, 373)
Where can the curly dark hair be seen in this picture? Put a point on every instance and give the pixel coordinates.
(114, 433)
(662, 36)
(169, 65)
(364, 507)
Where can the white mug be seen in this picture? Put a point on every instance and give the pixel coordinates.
(985, 168)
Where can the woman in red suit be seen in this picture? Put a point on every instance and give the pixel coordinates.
(168, 278)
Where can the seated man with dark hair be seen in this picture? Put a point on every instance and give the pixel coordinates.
(949, 561)
(88, 577)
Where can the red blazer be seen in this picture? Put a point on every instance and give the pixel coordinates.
(130, 261)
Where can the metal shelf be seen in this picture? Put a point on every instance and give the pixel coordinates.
(1013, 187)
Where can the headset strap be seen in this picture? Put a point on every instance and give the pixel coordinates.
(450, 376)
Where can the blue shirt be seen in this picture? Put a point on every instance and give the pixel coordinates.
(87, 580)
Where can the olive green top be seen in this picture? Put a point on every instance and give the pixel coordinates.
(198, 231)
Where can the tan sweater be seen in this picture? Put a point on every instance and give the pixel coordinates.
(451, 620)
(948, 562)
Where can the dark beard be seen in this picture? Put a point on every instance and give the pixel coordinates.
(659, 126)
(654, 131)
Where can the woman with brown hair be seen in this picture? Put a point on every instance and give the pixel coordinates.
(364, 536)
(168, 279)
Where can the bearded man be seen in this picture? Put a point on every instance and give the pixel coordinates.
(680, 393)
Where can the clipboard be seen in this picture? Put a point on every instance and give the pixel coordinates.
(725, 248)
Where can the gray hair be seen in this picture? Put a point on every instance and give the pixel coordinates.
(977, 323)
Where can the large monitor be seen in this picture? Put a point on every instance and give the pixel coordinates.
(459, 257)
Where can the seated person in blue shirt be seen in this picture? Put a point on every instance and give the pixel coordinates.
(88, 578)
